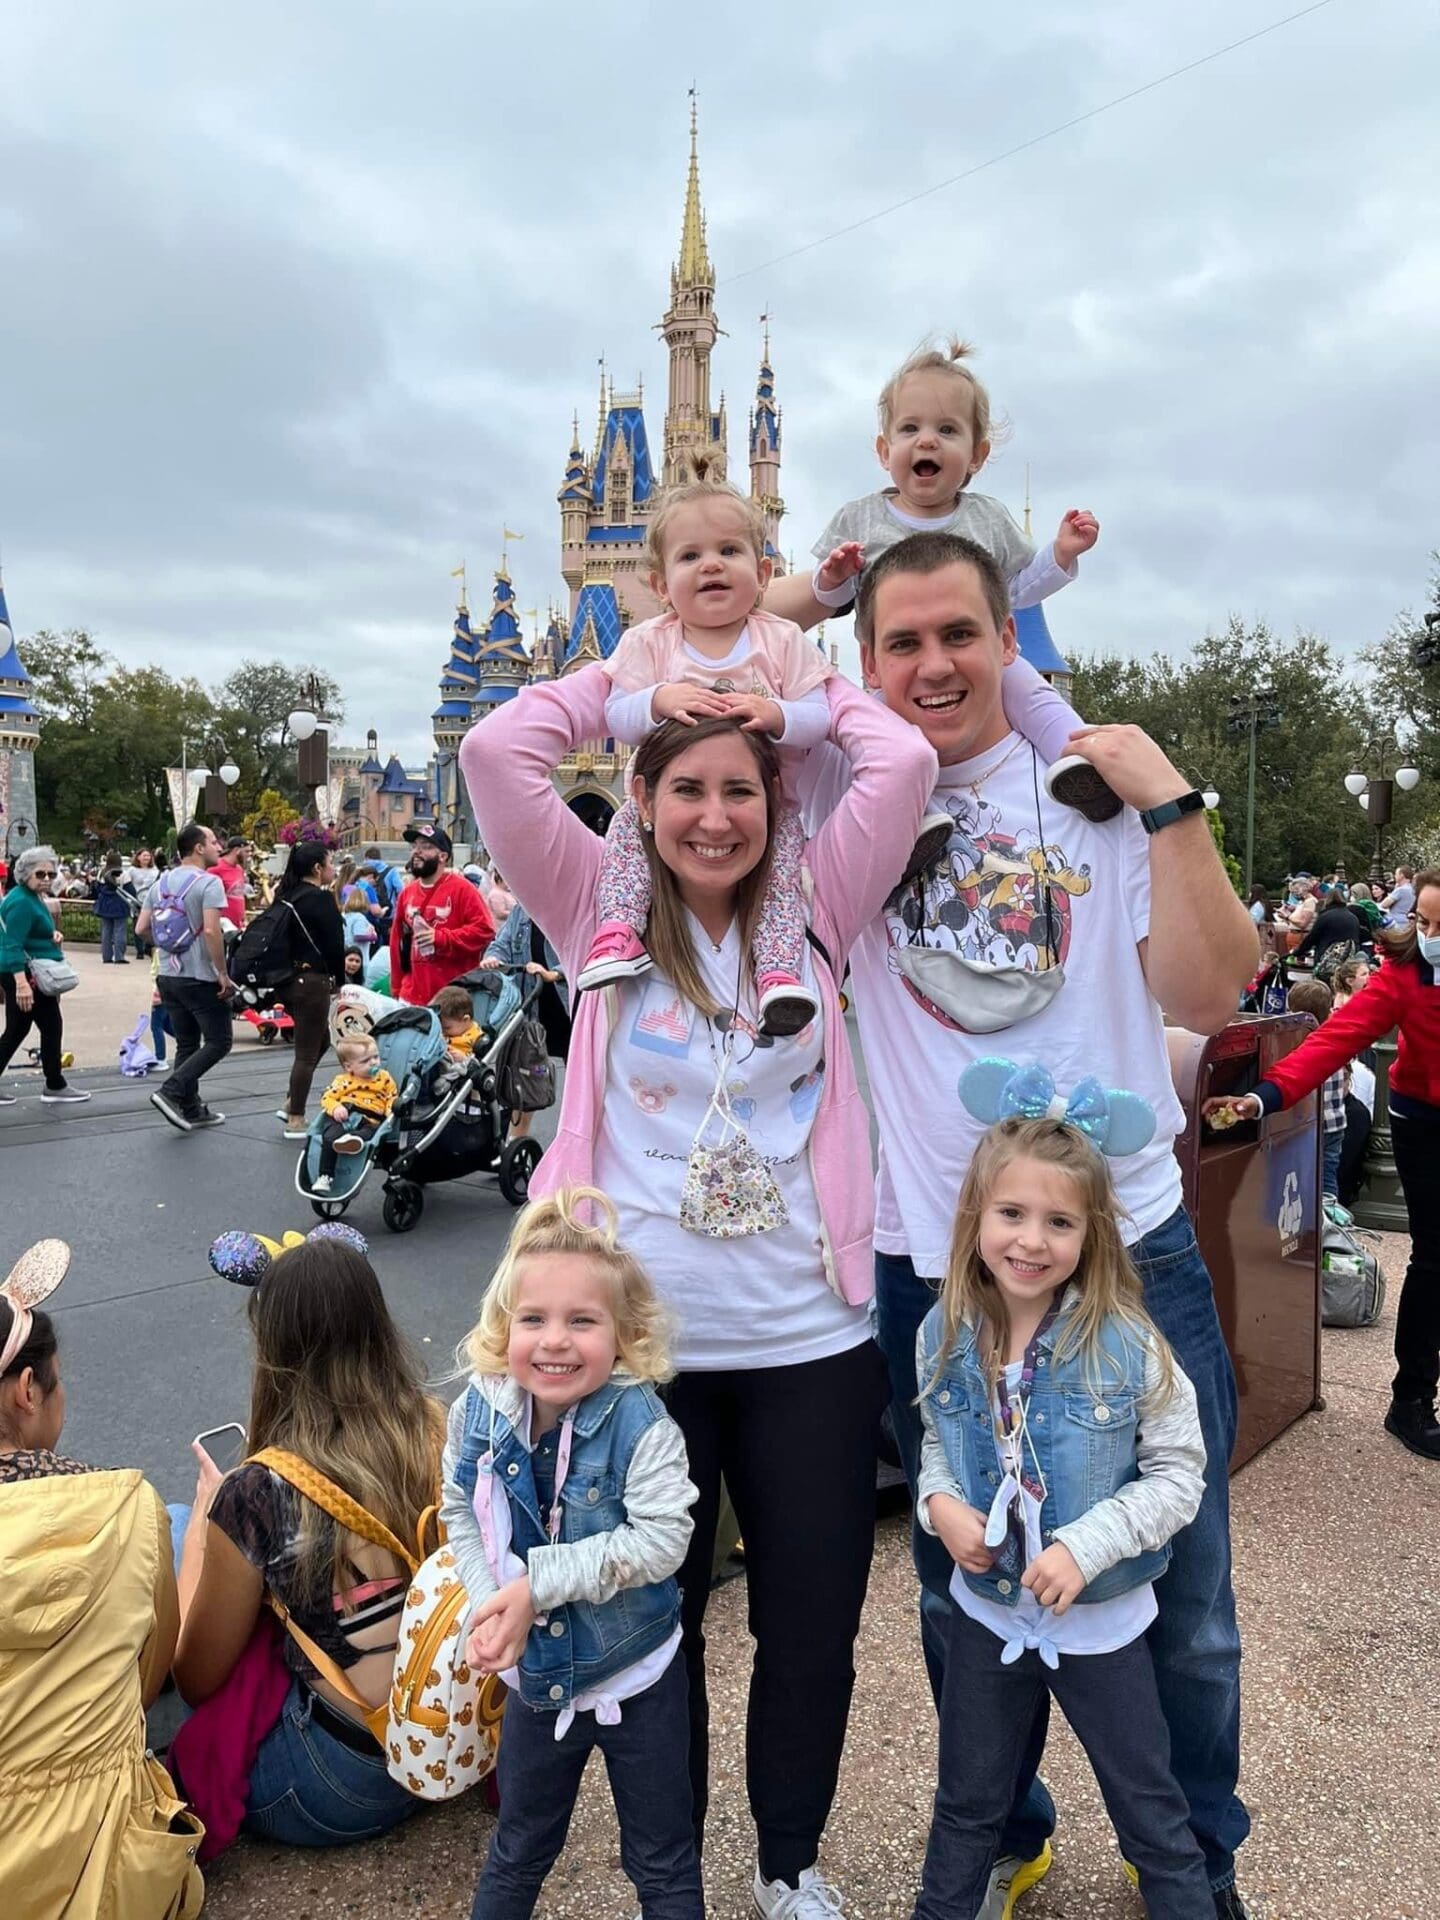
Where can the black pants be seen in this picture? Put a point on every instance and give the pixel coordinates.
(307, 1001)
(1358, 1127)
(1110, 1700)
(539, 1777)
(333, 1130)
(204, 1033)
(796, 1446)
(1416, 1140)
(45, 1017)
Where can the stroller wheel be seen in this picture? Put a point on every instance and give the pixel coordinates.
(403, 1205)
(267, 1036)
(517, 1163)
(329, 1209)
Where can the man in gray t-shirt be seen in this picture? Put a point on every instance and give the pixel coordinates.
(193, 985)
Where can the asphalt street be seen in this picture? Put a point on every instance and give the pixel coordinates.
(155, 1348)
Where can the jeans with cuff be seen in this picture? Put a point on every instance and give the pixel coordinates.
(902, 1300)
(1110, 1701)
(308, 1789)
(113, 936)
(539, 1779)
(204, 1033)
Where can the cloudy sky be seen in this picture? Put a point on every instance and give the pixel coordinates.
(297, 301)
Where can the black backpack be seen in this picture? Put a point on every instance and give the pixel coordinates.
(527, 1073)
(263, 962)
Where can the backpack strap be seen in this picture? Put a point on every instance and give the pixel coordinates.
(334, 1500)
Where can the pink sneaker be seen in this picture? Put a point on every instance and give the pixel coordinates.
(785, 1006)
(616, 953)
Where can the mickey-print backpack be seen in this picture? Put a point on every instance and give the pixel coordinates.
(440, 1727)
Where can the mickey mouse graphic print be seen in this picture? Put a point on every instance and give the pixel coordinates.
(1025, 885)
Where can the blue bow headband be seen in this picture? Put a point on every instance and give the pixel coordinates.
(1113, 1121)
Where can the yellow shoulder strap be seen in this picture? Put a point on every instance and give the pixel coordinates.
(336, 1502)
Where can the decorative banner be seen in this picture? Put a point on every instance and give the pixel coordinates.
(184, 789)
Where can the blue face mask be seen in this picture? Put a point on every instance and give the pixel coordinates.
(1429, 945)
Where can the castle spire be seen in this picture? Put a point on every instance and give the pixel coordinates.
(693, 268)
(765, 449)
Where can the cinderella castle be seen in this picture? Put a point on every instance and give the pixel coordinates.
(606, 498)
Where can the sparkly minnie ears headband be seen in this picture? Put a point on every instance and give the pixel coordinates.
(245, 1258)
(32, 1280)
(1113, 1121)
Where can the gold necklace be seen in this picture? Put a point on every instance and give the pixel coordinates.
(989, 772)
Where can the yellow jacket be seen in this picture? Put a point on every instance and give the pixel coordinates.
(84, 1832)
(465, 1043)
(374, 1096)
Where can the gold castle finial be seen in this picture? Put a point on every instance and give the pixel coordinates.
(693, 268)
(1028, 534)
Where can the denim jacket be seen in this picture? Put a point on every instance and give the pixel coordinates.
(1122, 1473)
(606, 1586)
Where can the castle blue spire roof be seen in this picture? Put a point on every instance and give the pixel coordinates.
(625, 422)
(502, 639)
(597, 625)
(12, 668)
(765, 416)
(460, 673)
(1036, 646)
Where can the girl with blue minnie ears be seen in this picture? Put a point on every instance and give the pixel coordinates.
(1061, 1453)
(567, 1504)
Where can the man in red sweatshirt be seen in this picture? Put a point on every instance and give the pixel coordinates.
(442, 925)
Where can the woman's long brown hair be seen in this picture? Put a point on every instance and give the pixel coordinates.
(668, 933)
(336, 1384)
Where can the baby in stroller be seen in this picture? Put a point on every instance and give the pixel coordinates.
(353, 1106)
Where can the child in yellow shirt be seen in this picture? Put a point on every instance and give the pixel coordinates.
(457, 1022)
(354, 1103)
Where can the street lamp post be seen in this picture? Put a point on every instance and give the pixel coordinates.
(1252, 714)
(1375, 792)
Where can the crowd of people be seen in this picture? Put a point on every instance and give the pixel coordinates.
(712, 1285)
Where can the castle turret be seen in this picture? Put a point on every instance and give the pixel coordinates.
(689, 327)
(19, 732)
(765, 453)
(574, 498)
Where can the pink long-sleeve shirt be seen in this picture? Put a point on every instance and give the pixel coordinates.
(552, 861)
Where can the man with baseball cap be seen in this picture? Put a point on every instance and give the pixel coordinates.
(442, 926)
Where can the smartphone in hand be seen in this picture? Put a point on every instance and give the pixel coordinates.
(225, 1444)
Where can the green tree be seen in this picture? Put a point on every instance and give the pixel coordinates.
(252, 711)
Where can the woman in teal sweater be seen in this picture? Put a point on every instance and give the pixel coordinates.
(28, 933)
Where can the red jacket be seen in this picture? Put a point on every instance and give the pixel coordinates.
(1404, 994)
(463, 930)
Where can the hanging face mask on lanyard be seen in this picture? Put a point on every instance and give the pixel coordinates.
(728, 1190)
(977, 996)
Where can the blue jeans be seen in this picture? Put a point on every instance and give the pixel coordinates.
(159, 1027)
(1333, 1146)
(308, 1789)
(1113, 1708)
(539, 1778)
(902, 1300)
(113, 935)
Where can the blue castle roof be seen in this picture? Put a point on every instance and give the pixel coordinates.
(12, 667)
(460, 672)
(1036, 646)
(629, 423)
(596, 606)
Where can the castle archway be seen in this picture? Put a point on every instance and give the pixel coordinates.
(596, 809)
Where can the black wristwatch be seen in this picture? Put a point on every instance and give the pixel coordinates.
(1154, 818)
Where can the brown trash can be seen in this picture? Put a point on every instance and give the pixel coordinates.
(1253, 1193)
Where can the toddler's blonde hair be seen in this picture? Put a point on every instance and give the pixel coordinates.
(947, 360)
(701, 491)
(579, 1220)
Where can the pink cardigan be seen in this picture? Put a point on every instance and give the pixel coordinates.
(552, 861)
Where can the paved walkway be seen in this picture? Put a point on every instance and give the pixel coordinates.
(1335, 1536)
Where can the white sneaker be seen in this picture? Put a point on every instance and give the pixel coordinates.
(813, 1899)
(321, 1184)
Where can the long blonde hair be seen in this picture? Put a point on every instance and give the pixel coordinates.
(667, 934)
(1106, 1282)
(559, 1224)
(335, 1383)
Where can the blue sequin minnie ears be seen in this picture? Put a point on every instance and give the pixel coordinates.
(1114, 1121)
(245, 1258)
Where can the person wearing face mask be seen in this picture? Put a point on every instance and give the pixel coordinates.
(1405, 993)
(441, 927)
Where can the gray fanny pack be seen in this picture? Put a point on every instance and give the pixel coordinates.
(977, 997)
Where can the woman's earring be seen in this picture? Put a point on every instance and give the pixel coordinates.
(647, 826)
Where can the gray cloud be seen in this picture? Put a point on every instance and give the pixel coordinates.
(298, 306)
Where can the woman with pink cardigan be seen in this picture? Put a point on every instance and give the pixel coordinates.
(740, 1166)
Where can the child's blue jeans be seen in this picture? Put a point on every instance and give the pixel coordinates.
(1334, 1142)
(647, 1759)
(159, 1027)
(986, 1714)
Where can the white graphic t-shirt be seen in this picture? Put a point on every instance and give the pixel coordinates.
(761, 1300)
(987, 901)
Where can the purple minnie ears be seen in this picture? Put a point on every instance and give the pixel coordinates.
(245, 1258)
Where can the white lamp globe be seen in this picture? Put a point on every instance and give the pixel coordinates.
(302, 723)
(1407, 778)
(199, 773)
(1356, 783)
(1211, 798)
(229, 772)
(1362, 800)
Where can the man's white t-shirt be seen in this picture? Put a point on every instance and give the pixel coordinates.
(986, 901)
(760, 1300)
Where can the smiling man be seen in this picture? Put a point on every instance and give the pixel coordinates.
(1044, 937)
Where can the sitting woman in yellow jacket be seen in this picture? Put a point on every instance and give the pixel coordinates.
(88, 1620)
